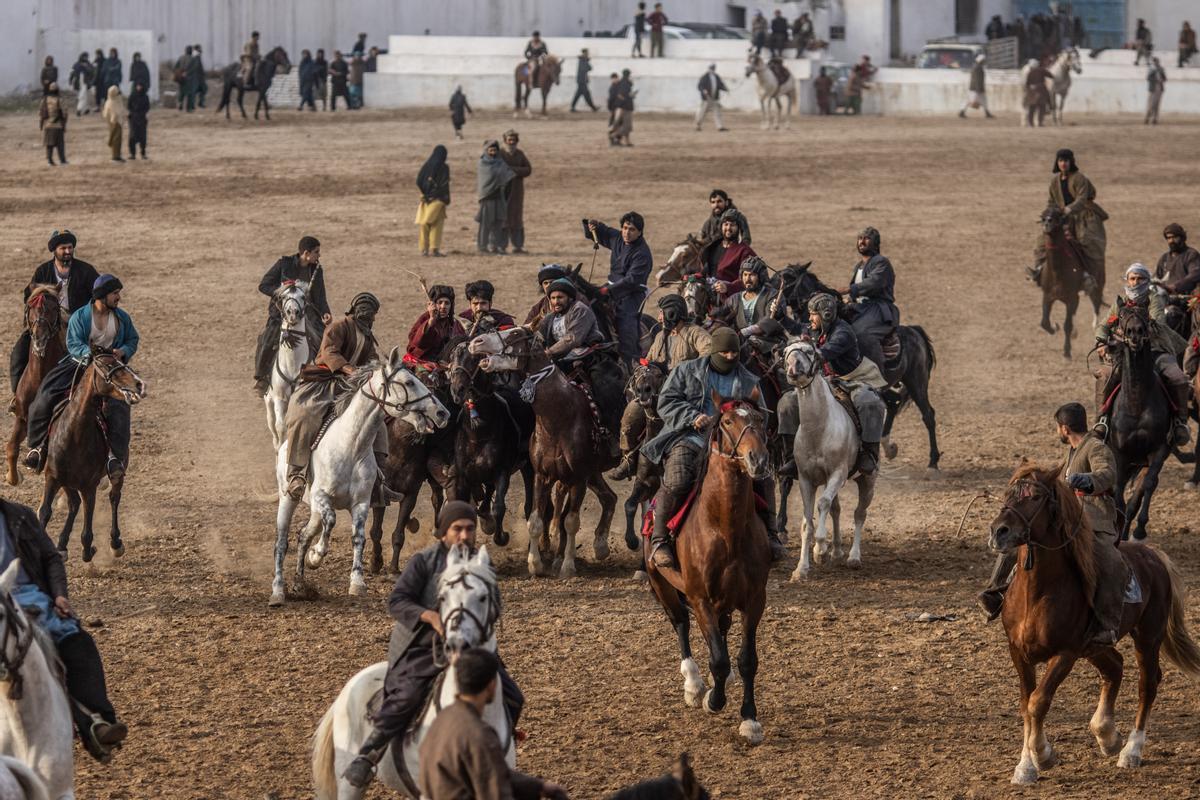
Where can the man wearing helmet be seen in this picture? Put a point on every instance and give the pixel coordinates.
(719, 202)
(678, 340)
(837, 345)
(873, 312)
(744, 310)
(1165, 345)
(723, 257)
(1178, 271)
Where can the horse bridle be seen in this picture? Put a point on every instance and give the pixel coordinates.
(107, 373)
(384, 403)
(21, 631)
(1047, 503)
(813, 368)
(487, 626)
(720, 435)
(54, 324)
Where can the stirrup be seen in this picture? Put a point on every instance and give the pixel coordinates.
(360, 772)
(296, 486)
(114, 468)
(662, 557)
(1101, 427)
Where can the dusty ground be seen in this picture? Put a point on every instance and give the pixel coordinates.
(857, 700)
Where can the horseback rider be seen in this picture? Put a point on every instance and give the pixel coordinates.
(304, 269)
(629, 267)
(1073, 194)
(249, 60)
(746, 309)
(481, 314)
(347, 345)
(535, 52)
(872, 310)
(547, 275)
(1088, 469)
(1178, 271)
(74, 279)
(723, 257)
(686, 408)
(99, 324)
(436, 326)
(678, 340)
(719, 202)
(837, 345)
(412, 664)
(42, 593)
(1165, 344)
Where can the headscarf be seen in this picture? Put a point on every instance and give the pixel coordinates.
(427, 177)
(494, 173)
(1136, 293)
(114, 107)
(1175, 229)
(723, 340)
(565, 286)
(364, 300)
(452, 511)
(105, 285)
(1069, 155)
(674, 310)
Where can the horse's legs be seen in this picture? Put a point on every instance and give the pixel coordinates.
(1026, 771)
(766, 119)
(1069, 325)
(358, 538)
(499, 509)
(835, 515)
(892, 408)
(1148, 679)
(283, 521)
(73, 502)
(241, 96)
(307, 534)
(750, 729)
(918, 392)
(114, 500)
(781, 516)
(324, 503)
(677, 613)
(634, 501)
(527, 480)
(89, 514)
(833, 485)
(1146, 491)
(572, 503)
(46, 509)
(1039, 748)
(266, 105)
(403, 514)
(13, 476)
(807, 490)
(376, 534)
(608, 506)
(716, 632)
(1047, 303)
(538, 521)
(1110, 664)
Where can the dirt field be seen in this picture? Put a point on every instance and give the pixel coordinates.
(857, 700)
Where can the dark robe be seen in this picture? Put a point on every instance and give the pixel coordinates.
(427, 338)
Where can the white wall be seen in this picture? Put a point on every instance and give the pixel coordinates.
(1163, 17)
(76, 42)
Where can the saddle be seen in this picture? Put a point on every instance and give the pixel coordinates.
(780, 72)
(396, 746)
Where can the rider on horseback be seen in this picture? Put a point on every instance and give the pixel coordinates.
(436, 326)
(100, 324)
(838, 347)
(678, 340)
(249, 60)
(723, 258)
(1088, 469)
(872, 311)
(720, 202)
(481, 314)
(547, 275)
(630, 263)
(686, 407)
(1165, 344)
(1073, 194)
(1178, 271)
(303, 269)
(535, 52)
(412, 663)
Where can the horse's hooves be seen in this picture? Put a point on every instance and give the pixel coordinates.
(88, 554)
(890, 450)
(631, 541)
(276, 599)
(118, 550)
(62, 551)
(413, 525)
(358, 588)
(708, 700)
(13, 479)
(313, 559)
(1048, 762)
(854, 563)
(487, 523)
(751, 731)
(301, 590)
(639, 575)
(1024, 776)
(601, 551)
(501, 537)
(376, 565)
(1129, 761)
(799, 575)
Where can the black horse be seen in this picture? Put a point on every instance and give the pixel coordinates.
(605, 317)
(908, 377)
(263, 73)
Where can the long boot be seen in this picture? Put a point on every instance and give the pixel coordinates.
(1181, 395)
(362, 768)
(665, 506)
(768, 519)
(627, 468)
(1108, 602)
(297, 481)
(992, 598)
(868, 458)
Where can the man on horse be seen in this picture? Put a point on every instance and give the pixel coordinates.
(535, 52)
(412, 663)
(304, 269)
(346, 345)
(74, 279)
(436, 326)
(99, 324)
(748, 309)
(629, 267)
(872, 311)
(686, 408)
(678, 340)
(1178, 271)
(720, 204)
(249, 60)
(1165, 344)
(42, 592)
(481, 314)
(547, 275)
(723, 257)
(1073, 194)
(837, 345)
(1088, 469)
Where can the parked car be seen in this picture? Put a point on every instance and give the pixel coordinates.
(948, 55)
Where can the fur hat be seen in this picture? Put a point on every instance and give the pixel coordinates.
(440, 290)
(551, 272)
(1068, 155)
(63, 236)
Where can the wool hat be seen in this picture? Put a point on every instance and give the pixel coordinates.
(63, 236)
(563, 285)
(105, 285)
(724, 340)
(452, 511)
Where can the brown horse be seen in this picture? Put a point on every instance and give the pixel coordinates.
(547, 76)
(1063, 277)
(47, 345)
(77, 448)
(567, 459)
(723, 558)
(1046, 613)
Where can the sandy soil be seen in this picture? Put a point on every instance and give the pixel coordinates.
(857, 700)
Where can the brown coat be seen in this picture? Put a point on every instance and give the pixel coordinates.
(521, 168)
(1180, 271)
(687, 342)
(343, 344)
(1086, 217)
(462, 759)
(1093, 457)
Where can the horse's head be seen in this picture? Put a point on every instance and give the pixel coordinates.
(753, 63)
(43, 316)
(797, 284)
(739, 434)
(697, 295)
(506, 350)
(16, 631)
(465, 374)
(802, 363)
(1133, 326)
(1073, 60)
(683, 259)
(289, 298)
(112, 377)
(1052, 220)
(468, 600)
(645, 383)
(402, 396)
(1039, 510)
(280, 56)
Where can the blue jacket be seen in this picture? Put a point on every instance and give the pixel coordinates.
(839, 348)
(79, 331)
(630, 264)
(684, 396)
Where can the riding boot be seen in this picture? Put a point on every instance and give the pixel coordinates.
(777, 549)
(35, 459)
(992, 598)
(1181, 395)
(627, 468)
(789, 469)
(97, 723)
(296, 482)
(1108, 602)
(362, 769)
(114, 468)
(665, 506)
(1034, 274)
(868, 458)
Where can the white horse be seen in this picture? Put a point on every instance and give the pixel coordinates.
(1066, 63)
(826, 449)
(344, 468)
(35, 727)
(770, 89)
(19, 782)
(469, 606)
(293, 354)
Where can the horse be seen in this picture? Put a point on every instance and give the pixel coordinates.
(469, 607)
(343, 464)
(77, 449)
(264, 74)
(1066, 63)
(724, 558)
(548, 74)
(908, 377)
(411, 463)
(602, 307)
(686, 258)
(680, 784)
(19, 782)
(47, 345)
(564, 451)
(1139, 420)
(826, 448)
(36, 729)
(1063, 277)
(293, 354)
(643, 387)
(770, 89)
(1046, 613)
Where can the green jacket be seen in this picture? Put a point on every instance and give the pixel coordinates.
(1163, 339)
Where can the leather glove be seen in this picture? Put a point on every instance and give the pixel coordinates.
(1081, 482)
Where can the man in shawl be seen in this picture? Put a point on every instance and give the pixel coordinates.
(83, 75)
(139, 107)
(139, 72)
(722, 259)
(113, 73)
(52, 119)
(435, 327)
(514, 223)
(114, 115)
(1073, 194)
(347, 345)
(492, 192)
(433, 182)
(459, 107)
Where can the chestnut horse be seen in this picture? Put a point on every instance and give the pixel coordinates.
(1046, 613)
(47, 345)
(77, 448)
(1063, 277)
(723, 559)
(548, 76)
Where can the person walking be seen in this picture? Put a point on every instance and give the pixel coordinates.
(308, 78)
(139, 107)
(52, 119)
(183, 78)
(356, 82)
(758, 32)
(339, 73)
(657, 20)
(639, 30)
(321, 78)
(491, 185)
(433, 182)
(1156, 80)
(82, 77)
(49, 73)
(977, 97)
(114, 115)
(459, 108)
(99, 90)
(514, 223)
(710, 87)
(202, 84)
(581, 81)
(139, 72)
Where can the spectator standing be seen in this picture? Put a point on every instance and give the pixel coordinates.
(823, 86)
(139, 107)
(139, 72)
(1156, 82)
(49, 73)
(98, 88)
(1017, 29)
(639, 30)
(360, 47)
(114, 115)
(514, 222)
(802, 31)
(339, 73)
(854, 90)
(623, 118)
(657, 20)
(308, 73)
(779, 34)
(372, 61)
(710, 87)
(52, 119)
(758, 32)
(433, 182)
(356, 81)
(977, 91)
(459, 108)
(82, 77)
(202, 82)
(1187, 44)
(581, 81)
(614, 81)
(1143, 42)
(995, 28)
(184, 78)
(113, 71)
(321, 77)
(492, 182)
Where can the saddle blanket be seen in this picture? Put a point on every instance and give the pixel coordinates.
(676, 522)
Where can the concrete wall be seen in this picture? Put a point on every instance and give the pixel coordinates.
(126, 42)
(1164, 18)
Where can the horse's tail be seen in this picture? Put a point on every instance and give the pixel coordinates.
(1181, 648)
(928, 345)
(324, 777)
(32, 785)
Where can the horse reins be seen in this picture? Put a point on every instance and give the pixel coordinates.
(54, 323)
(1047, 502)
(10, 668)
(487, 627)
(719, 434)
(384, 403)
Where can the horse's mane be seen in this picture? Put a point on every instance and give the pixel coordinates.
(353, 382)
(1070, 517)
(39, 289)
